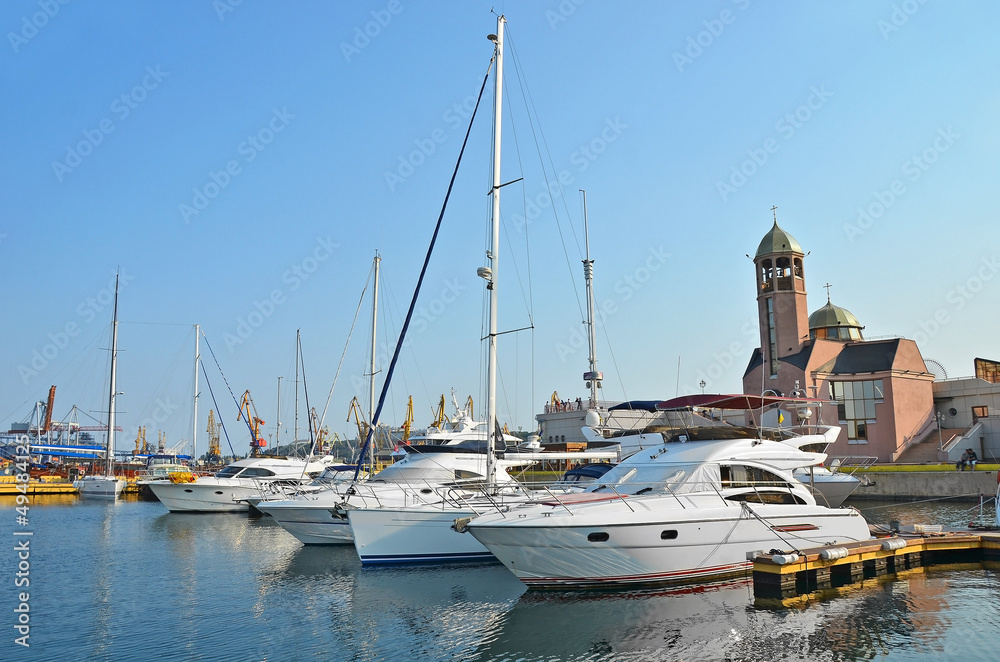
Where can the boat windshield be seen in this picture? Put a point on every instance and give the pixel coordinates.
(229, 472)
(659, 478)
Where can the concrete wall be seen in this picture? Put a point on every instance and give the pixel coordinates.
(913, 485)
(961, 395)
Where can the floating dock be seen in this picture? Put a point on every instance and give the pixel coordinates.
(788, 575)
(44, 485)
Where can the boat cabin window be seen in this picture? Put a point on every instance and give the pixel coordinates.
(767, 496)
(598, 536)
(229, 472)
(669, 534)
(660, 479)
(814, 448)
(463, 474)
(256, 472)
(740, 475)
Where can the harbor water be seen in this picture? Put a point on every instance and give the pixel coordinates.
(129, 581)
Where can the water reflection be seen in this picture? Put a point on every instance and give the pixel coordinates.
(126, 581)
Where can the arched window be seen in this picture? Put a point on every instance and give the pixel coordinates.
(766, 276)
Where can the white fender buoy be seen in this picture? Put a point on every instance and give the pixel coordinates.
(833, 553)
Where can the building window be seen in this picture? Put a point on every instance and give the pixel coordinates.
(783, 270)
(766, 276)
(856, 406)
(979, 412)
(772, 349)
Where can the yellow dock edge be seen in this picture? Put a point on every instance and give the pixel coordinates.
(784, 576)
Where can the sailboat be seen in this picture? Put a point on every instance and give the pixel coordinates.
(423, 532)
(107, 486)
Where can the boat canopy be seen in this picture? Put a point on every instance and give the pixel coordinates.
(641, 405)
(744, 401)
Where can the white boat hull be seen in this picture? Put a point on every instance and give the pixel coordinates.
(653, 544)
(830, 489)
(104, 487)
(412, 535)
(206, 495)
(311, 523)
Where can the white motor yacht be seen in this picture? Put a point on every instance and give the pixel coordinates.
(693, 508)
(239, 480)
(320, 517)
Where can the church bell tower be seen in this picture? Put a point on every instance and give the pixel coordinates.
(781, 298)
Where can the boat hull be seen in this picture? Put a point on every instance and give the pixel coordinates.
(386, 536)
(310, 523)
(615, 547)
(100, 487)
(206, 495)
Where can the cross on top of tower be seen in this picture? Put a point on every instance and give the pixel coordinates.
(774, 211)
(828, 286)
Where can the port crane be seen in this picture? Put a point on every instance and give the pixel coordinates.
(249, 412)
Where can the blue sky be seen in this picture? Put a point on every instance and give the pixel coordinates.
(241, 163)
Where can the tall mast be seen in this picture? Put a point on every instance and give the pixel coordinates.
(194, 416)
(109, 470)
(592, 377)
(371, 373)
(295, 436)
(277, 417)
(493, 259)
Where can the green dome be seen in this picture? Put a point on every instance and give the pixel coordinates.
(833, 316)
(778, 241)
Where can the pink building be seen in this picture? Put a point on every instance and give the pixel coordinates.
(880, 391)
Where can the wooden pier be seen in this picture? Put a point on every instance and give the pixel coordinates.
(794, 574)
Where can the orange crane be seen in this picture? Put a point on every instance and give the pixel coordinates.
(248, 410)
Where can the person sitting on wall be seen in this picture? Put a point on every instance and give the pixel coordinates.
(973, 458)
(962, 461)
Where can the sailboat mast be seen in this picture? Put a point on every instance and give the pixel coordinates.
(295, 435)
(592, 377)
(493, 257)
(109, 470)
(194, 415)
(371, 370)
(371, 373)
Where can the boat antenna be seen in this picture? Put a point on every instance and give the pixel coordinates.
(592, 377)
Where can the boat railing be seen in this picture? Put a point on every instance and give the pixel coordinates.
(850, 464)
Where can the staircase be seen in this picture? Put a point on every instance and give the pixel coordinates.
(926, 450)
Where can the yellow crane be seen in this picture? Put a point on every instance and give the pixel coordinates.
(140, 440)
(248, 410)
(439, 416)
(408, 423)
(214, 452)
